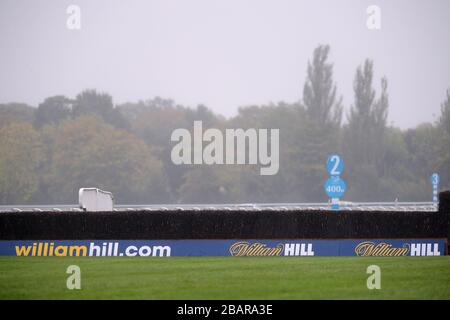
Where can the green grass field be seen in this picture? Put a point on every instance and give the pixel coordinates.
(225, 278)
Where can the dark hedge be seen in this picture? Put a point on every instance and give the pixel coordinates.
(223, 225)
(444, 201)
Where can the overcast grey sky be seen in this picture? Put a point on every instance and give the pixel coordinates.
(224, 54)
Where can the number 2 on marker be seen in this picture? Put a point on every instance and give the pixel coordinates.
(335, 170)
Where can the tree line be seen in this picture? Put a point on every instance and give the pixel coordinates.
(49, 152)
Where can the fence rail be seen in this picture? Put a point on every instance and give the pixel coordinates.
(351, 206)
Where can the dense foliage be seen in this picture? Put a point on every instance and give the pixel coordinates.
(48, 152)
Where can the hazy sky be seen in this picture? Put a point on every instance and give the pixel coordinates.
(224, 54)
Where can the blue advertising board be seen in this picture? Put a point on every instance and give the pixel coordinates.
(167, 248)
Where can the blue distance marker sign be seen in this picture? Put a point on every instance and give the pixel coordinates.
(335, 165)
(335, 187)
(435, 179)
(435, 182)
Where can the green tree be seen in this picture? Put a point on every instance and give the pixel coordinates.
(100, 104)
(364, 136)
(442, 155)
(154, 121)
(397, 177)
(91, 153)
(15, 112)
(52, 111)
(20, 157)
(319, 91)
(320, 130)
(422, 146)
(286, 184)
(210, 184)
(444, 119)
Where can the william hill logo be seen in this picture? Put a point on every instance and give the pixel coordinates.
(366, 249)
(243, 248)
